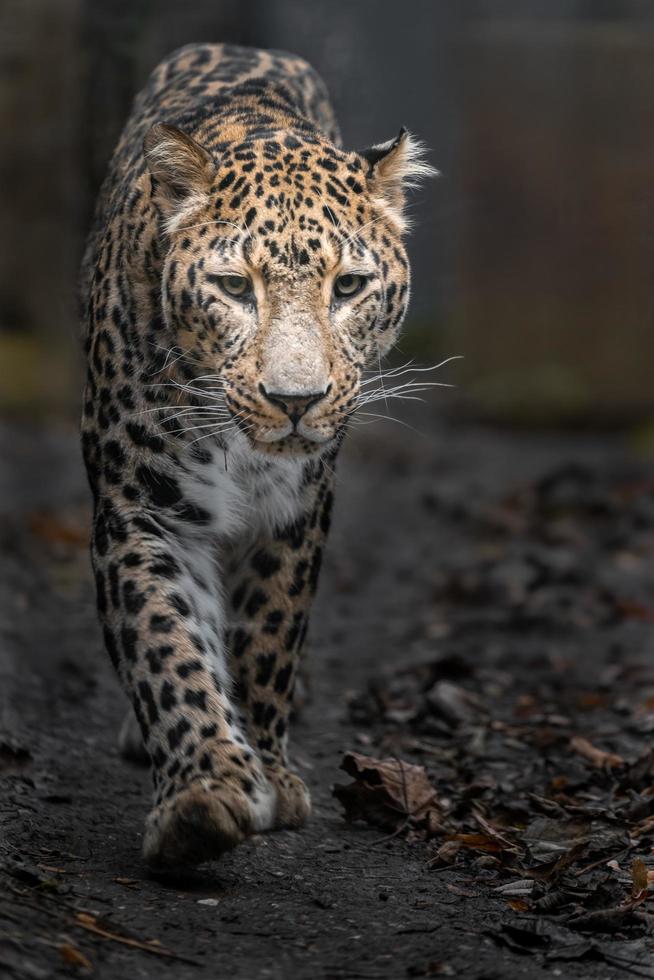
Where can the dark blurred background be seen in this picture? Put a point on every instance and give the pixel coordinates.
(532, 253)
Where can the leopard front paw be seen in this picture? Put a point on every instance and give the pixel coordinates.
(204, 819)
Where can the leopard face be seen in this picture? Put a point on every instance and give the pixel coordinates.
(285, 276)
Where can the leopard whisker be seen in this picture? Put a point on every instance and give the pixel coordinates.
(230, 425)
(202, 393)
(168, 351)
(408, 367)
(216, 427)
(405, 392)
(374, 416)
(199, 415)
(359, 231)
(186, 408)
(415, 387)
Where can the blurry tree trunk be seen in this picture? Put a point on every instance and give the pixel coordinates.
(39, 178)
(557, 305)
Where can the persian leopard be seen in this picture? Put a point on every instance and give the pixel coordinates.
(243, 273)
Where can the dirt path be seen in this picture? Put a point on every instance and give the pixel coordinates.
(331, 901)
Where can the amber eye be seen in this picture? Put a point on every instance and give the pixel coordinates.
(237, 286)
(348, 285)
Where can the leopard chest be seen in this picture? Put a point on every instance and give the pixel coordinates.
(243, 495)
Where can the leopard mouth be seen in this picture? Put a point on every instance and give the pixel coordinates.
(292, 436)
(285, 434)
(293, 443)
(272, 436)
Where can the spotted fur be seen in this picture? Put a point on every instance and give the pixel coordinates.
(212, 422)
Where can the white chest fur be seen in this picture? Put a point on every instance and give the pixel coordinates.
(244, 492)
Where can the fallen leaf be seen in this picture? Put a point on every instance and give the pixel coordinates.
(388, 793)
(454, 704)
(599, 758)
(640, 878)
(603, 920)
(92, 924)
(457, 890)
(54, 530)
(478, 842)
(592, 699)
(633, 609)
(518, 905)
(493, 832)
(516, 889)
(644, 827)
(74, 957)
(446, 853)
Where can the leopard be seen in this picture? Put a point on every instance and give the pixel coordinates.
(243, 275)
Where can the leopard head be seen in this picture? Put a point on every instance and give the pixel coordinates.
(285, 273)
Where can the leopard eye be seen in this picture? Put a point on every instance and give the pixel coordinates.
(348, 285)
(237, 286)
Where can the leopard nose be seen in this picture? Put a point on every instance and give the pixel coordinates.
(295, 406)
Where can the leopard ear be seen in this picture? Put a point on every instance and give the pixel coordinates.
(181, 170)
(393, 168)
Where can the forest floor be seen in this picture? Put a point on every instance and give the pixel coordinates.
(486, 611)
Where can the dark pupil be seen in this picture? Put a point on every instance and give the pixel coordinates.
(235, 282)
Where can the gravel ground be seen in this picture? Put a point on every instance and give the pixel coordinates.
(336, 900)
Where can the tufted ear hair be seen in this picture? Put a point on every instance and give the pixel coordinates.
(393, 168)
(181, 168)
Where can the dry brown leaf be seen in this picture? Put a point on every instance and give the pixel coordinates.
(478, 842)
(495, 834)
(645, 826)
(91, 924)
(457, 890)
(518, 905)
(633, 609)
(54, 530)
(74, 957)
(639, 878)
(592, 699)
(446, 853)
(599, 758)
(388, 793)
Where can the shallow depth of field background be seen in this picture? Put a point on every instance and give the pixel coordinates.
(533, 253)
